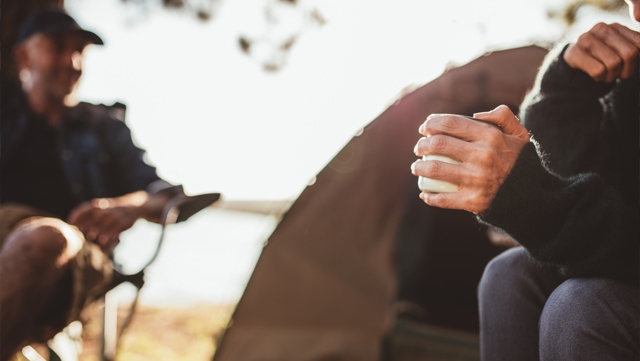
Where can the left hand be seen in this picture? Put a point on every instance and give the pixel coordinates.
(606, 52)
(486, 153)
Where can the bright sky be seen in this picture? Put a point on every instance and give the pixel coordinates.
(213, 120)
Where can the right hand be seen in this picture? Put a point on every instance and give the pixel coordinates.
(606, 52)
(486, 153)
(102, 220)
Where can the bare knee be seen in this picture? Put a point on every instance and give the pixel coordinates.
(34, 265)
(42, 241)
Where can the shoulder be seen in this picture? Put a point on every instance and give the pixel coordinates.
(106, 120)
(97, 113)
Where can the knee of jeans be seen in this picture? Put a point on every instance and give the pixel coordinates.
(594, 316)
(47, 240)
(574, 303)
(500, 270)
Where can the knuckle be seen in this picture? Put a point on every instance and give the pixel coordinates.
(600, 28)
(598, 71)
(439, 201)
(448, 123)
(635, 37)
(503, 109)
(432, 169)
(485, 159)
(614, 63)
(629, 54)
(421, 145)
(429, 127)
(444, 202)
(616, 26)
(437, 143)
(494, 136)
(585, 40)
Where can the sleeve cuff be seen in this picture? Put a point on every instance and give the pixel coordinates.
(162, 186)
(525, 200)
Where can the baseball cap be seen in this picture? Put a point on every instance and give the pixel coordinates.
(53, 20)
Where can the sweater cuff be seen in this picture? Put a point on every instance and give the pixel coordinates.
(562, 77)
(522, 196)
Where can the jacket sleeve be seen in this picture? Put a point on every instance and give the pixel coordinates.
(561, 204)
(129, 170)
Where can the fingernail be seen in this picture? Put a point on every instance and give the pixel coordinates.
(413, 167)
(422, 128)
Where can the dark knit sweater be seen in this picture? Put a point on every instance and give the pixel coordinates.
(573, 201)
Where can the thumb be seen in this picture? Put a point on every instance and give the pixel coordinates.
(503, 117)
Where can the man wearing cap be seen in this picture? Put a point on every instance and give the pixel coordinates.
(72, 181)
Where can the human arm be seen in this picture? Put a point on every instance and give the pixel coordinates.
(588, 141)
(486, 152)
(581, 224)
(606, 52)
(567, 108)
(131, 188)
(577, 207)
(102, 220)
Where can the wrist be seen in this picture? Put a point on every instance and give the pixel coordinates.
(134, 204)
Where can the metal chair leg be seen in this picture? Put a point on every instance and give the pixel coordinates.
(110, 327)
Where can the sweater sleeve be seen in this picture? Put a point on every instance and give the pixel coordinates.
(567, 206)
(566, 115)
(578, 223)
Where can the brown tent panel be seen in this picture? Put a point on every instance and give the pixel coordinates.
(326, 282)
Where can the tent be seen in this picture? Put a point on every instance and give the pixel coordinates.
(358, 243)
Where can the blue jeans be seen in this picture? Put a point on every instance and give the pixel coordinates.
(528, 313)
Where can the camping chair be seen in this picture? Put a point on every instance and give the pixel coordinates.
(63, 346)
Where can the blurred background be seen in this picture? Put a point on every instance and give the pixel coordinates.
(252, 98)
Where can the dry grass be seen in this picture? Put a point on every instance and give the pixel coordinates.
(163, 333)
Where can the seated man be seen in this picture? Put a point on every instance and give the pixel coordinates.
(572, 292)
(70, 173)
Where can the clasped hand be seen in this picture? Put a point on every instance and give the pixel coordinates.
(102, 220)
(606, 52)
(486, 151)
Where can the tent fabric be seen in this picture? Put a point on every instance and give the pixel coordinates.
(326, 281)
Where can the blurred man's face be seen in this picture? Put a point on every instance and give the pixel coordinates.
(52, 64)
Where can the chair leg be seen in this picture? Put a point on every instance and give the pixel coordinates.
(31, 354)
(109, 327)
(53, 356)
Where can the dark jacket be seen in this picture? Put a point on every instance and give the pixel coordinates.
(96, 151)
(578, 208)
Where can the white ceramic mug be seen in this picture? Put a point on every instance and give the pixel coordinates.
(435, 185)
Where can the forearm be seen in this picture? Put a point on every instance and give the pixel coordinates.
(565, 108)
(578, 223)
